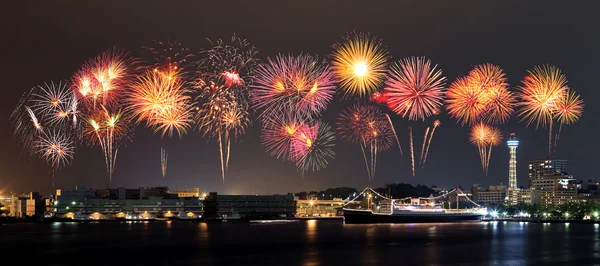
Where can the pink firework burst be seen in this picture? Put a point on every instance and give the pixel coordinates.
(415, 88)
(298, 83)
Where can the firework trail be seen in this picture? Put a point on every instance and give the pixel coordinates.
(359, 63)
(479, 137)
(569, 110)
(412, 151)
(368, 127)
(493, 139)
(415, 88)
(423, 147)
(163, 161)
(485, 137)
(298, 83)
(395, 135)
(436, 124)
(222, 117)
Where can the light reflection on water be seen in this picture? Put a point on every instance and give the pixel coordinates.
(314, 243)
(311, 255)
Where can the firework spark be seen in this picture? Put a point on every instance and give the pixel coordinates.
(292, 83)
(359, 63)
(171, 58)
(415, 88)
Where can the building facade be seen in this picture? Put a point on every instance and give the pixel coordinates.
(538, 168)
(249, 206)
(319, 208)
(520, 196)
(493, 195)
(121, 203)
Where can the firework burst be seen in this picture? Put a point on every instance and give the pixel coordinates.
(415, 88)
(278, 132)
(542, 94)
(298, 83)
(368, 127)
(163, 102)
(103, 79)
(56, 148)
(101, 86)
(485, 137)
(230, 64)
(311, 148)
(222, 104)
(221, 116)
(481, 96)
(171, 58)
(359, 63)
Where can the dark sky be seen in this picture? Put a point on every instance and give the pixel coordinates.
(46, 41)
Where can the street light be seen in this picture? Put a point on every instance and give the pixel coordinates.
(596, 215)
(566, 215)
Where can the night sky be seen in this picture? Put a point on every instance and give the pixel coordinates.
(46, 41)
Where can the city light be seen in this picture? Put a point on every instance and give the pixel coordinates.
(494, 213)
(596, 214)
(566, 214)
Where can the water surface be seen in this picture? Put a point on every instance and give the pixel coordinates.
(302, 243)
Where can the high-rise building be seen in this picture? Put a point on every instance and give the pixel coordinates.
(512, 143)
(539, 168)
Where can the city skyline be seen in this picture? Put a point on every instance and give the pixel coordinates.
(195, 163)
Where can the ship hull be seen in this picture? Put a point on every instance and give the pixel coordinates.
(367, 217)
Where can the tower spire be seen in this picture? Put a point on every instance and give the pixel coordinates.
(512, 143)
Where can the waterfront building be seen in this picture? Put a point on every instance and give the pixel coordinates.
(249, 206)
(319, 208)
(520, 196)
(513, 144)
(18, 205)
(538, 168)
(121, 202)
(555, 181)
(187, 194)
(546, 198)
(493, 195)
